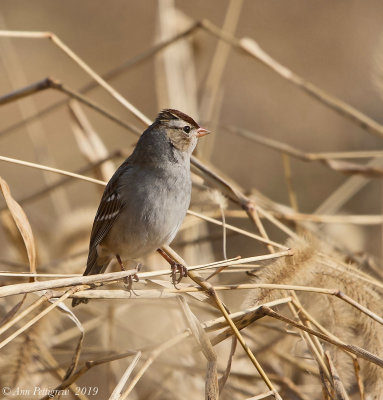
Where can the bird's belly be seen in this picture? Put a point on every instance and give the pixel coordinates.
(149, 225)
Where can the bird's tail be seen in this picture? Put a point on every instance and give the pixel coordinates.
(94, 266)
(76, 302)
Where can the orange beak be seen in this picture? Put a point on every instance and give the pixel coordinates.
(202, 132)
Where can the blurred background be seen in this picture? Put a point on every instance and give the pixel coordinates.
(337, 46)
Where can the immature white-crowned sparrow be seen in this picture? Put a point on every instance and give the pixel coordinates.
(146, 200)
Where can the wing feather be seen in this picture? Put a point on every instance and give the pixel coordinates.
(108, 211)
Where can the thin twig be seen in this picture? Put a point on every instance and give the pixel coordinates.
(328, 161)
(50, 83)
(358, 351)
(209, 288)
(111, 74)
(252, 48)
(50, 169)
(25, 312)
(36, 318)
(117, 390)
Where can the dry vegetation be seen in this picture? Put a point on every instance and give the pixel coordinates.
(297, 316)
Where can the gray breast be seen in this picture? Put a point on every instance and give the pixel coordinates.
(155, 203)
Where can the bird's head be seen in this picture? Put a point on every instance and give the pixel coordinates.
(182, 131)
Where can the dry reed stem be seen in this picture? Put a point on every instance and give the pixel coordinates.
(201, 337)
(297, 308)
(25, 91)
(254, 218)
(241, 317)
(225, 376)
(346, 191)
(303, 366)
(344, 167)
(289, 384)
(85, 368)
(50, 169)
(37, 275)
(262, 396)
(278, 224)
(340, 391)
(50, 83)
(76, 355)
(289, 182)
(329, 334)
(13, 311)
(356, 350)
(309, 317)
(332, 219)
(87, 168)
(152, 357)
(210, 325)
(364, 121)
(218, 323)
(212, 94)
(214, 324)
(45, 357)
(248, 45)
(61, 45)
(89, 142)
(234, 193)
(36, 318)
(359, 379)
(24, 313)
(121, 383)
(16, 73)
(350, 270)
(56, 283)
(80, 280)
(113, 73)
(246, 203)
(209, 288)
(163, 293)
(103, 183)
(72, 332)
(207, 25)
(228, 269)
(313, 345)
(252, 48)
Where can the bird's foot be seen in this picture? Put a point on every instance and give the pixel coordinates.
(175, 267)
(128, 280)
(178, 269)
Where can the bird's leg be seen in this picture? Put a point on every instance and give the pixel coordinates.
(176, 268)
(128, 280)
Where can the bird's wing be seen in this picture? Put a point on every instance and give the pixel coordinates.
(108, 210)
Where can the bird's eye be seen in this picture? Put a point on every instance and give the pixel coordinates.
(186, 128)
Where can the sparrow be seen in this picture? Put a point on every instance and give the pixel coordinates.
(145, 201)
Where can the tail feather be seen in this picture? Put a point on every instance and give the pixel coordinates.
(76, 302)
(94, 266)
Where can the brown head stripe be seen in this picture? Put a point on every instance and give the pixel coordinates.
(169, 114)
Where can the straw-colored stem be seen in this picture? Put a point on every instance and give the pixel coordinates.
(35, 319)
(25, 312)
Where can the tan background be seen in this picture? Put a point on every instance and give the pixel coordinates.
(331, 44)
(335, 45)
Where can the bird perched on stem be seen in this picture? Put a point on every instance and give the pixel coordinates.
(146, 200)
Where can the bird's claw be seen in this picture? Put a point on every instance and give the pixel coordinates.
(128, 280)
(178, 269)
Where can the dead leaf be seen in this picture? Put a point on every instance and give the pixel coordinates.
(22, 224)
